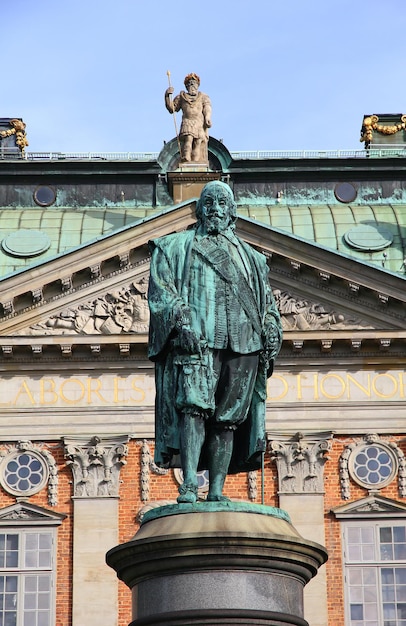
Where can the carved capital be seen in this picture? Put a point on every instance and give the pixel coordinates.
(96, 465)
(300, 461)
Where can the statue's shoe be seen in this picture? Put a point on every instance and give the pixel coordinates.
(214, 498)
(187, 494)
(187, 497)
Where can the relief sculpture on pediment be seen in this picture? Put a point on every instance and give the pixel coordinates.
(116, 312)
(299, 314)
(126, 311)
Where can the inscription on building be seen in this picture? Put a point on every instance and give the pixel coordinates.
(138, 389)
(337, 386)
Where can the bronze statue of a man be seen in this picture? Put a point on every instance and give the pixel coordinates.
(196, 119)
(215, 332)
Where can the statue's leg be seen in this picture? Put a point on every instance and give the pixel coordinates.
(197, 150)
(235, 386)
(192, 436)
(220, 448)
(187, 144)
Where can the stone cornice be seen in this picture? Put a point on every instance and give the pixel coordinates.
(351, 345)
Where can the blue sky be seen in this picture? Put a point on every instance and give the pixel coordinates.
(89, 75)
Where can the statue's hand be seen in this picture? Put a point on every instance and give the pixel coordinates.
(266, 362)
(189, 341)
(169, 91)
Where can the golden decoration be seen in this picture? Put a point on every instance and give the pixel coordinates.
(371, 123)
(18, 129)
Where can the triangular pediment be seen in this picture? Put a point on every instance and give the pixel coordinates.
(371, 506)
(24, 513)
(89, 290)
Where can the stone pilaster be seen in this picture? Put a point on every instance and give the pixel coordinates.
(300, 461)
(95, 465)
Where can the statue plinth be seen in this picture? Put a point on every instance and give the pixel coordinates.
(217, 564)
(188, 181)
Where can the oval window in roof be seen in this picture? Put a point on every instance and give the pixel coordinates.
(345, 192)
(44, 195)
(26, 243)
(367, 238)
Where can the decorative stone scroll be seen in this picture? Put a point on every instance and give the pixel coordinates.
(300, 461)
(96, 465)
(117, 312)
(148, 466)
(253, 485)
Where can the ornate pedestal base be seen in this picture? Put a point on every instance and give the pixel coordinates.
(217, 564)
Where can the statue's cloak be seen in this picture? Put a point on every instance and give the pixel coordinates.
(168, 301)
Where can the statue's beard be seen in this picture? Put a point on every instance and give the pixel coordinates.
(215, 224)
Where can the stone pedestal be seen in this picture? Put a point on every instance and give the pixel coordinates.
(217, 564)
(188, 181)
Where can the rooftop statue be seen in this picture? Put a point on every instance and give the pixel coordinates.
(196, 119)
(215, 332)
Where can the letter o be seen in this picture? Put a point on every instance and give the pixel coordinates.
(329, 395)
(385, 395)
(74, 381)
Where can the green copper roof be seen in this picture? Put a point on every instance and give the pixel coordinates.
(29, 236)
(372, 233)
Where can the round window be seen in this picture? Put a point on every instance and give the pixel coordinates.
(202, 479)
(373, 466)
(23, 473)
(345, 192)
(44, 195)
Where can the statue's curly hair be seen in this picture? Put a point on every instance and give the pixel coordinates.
(191, 76)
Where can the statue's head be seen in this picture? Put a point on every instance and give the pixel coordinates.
(192, 82)
(216, 208)
(193, 77)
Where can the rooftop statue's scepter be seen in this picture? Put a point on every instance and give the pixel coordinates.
(196, 119)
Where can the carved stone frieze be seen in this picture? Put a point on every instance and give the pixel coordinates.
(122, 311)
(300, 462)
(96, 465)
(299, 314)
(126, 311)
